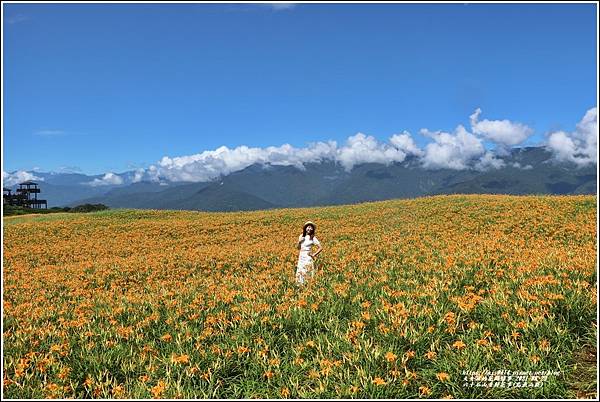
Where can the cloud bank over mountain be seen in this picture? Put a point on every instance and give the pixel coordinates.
(460, 149)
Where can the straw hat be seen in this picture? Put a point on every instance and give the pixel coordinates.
(309, 223)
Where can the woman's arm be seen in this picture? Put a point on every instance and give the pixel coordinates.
(313, 255)
(300, 240)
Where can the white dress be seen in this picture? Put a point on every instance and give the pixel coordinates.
(305, 261)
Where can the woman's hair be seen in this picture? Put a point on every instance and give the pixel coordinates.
(313, 232)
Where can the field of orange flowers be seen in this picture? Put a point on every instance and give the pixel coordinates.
(411, 297)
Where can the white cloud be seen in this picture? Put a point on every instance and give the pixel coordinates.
(109, 179)
(15, 19)
(138, 175)
(405, 143)
(489, 161)
(517, 165)
(361, 148)
(452, 151)
(208, 165)
(50, 133)
(222, 161)
(502, 132)
(280, 6)
(579, 146)
(69, 169)
(10, 179)
(563, 145)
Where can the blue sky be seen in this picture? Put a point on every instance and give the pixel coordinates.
(110, 87)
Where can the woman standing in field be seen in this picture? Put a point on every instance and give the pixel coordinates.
(306, 258)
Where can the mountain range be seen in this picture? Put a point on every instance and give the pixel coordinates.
(530, 170)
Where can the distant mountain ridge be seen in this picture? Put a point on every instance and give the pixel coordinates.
(526, 171)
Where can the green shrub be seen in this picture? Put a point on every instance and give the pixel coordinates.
(89, 208)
